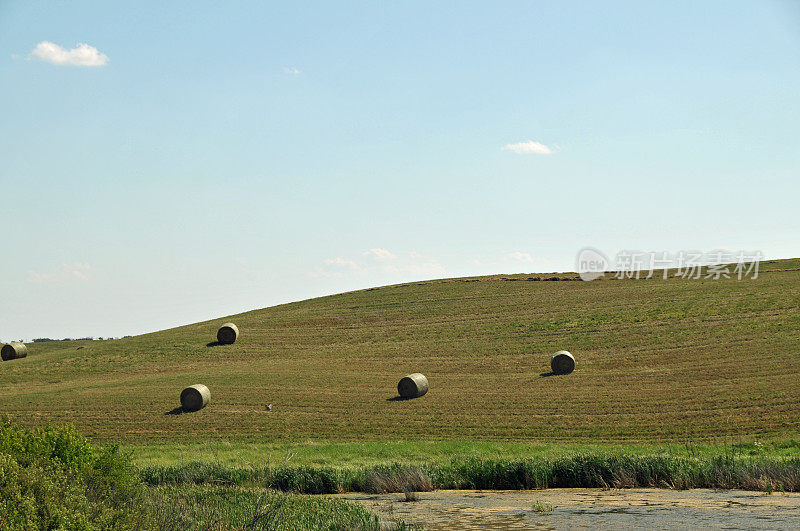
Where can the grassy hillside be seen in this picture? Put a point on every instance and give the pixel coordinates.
(657, 361)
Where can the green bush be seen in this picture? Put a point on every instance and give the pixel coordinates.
(54, 478)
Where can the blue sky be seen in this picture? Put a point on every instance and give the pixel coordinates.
(201, 159)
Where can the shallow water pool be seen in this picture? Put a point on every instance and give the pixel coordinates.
(589, 508)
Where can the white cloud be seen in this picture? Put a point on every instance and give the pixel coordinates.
(380, 255)
(74, 271)
(521, 257)
(527, 148)
(81, 55)
(337, 267)
(422, 265)
(342, 262)
(292, 70)
(411, 263)
(383, 262)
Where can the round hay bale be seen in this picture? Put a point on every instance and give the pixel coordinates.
(227, 333)
(195, 397)
(413, 385)
(562, 362)
(13, 351)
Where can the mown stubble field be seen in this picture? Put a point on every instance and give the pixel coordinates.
(657, 361)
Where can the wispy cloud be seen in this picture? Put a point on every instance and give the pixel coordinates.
(75, 271)
(528, 148)
(381, 262)
(337, 267)
(342, 262)
(520, 256)
(380, 255)
(292, 70)
(81, 55)
(418, 264)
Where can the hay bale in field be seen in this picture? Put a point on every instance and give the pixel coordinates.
(13, 351)
(195, 397)
(413, 385)
(227, 333)
(562, 362)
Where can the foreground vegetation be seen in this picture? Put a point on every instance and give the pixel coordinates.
(54, 478)
(577, 471)
(231, 507)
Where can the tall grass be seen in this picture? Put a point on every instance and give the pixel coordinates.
(578, 471)
(230, 507)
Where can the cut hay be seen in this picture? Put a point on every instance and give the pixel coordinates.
(413, 385)
(228, 333)
(562, 362)
(195, 397)
(13, 351)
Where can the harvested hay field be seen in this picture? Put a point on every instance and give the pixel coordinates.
(659, 360)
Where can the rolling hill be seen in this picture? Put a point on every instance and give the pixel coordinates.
(657, 361)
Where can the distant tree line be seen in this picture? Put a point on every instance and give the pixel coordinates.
(46, 339)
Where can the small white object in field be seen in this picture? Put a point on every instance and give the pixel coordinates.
(269, 407)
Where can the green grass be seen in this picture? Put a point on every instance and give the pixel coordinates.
(230, 507)
(658, 362)
(728, 471)
(243, 454)
(542, 507)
